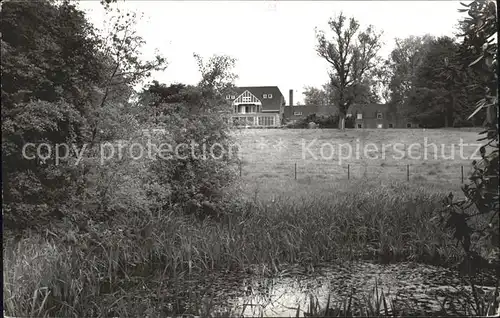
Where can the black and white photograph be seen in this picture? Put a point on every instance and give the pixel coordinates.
(266, 158)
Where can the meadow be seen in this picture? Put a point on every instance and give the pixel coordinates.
(282, 158)
(271, 221)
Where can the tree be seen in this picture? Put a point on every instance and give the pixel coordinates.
(155, 96)
(65, 84)
(216, 73)
(315, 96)
(124, 68)
(191, 116)
(402, 65)
(50, 65)
(435, 91)
(352, 56)
(442, 87)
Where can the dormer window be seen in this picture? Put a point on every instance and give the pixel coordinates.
(233, 97)
(269, 96)
(379, 115)
(264, 96)
(228, 96)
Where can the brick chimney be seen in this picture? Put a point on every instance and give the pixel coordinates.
(290, 98)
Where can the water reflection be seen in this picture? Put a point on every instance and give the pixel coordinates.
(416, 287)
(280, 297)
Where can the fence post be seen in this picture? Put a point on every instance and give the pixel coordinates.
(295, 171)
(240, 166)
(462, 170)
(348, 172)
(407, 172)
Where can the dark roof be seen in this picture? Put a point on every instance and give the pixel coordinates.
(325, 109)
(273, 103)
(369, 110)
(310, 109)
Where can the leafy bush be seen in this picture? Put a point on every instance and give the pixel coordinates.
(477, 231)
(198, 174)
(202, 163)
(330, 121)
(74, 99)
(458, 123)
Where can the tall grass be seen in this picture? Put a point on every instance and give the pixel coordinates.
(377, 304)
(117, 270)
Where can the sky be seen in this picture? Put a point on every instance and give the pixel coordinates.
(272, 40)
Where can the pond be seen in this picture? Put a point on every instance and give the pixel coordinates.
(415, 288)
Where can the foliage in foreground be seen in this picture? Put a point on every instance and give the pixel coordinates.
(78, 103)
(121, 266)
(482, 190)
(480, 240)
(67, 92)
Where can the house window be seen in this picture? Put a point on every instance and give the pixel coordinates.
(269, 96)
(379, 126)
(408, 125)
(360, 116)
(228, 96)
(264, 96)
(297, 113)
(379, 115)
(360, 126)
(348, 115)
(233, 97)
(246, 98)
(391, 126)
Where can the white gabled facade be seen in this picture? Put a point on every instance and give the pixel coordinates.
(247, 111)
(247, 98)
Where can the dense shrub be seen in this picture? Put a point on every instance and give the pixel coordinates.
(323, 121)
(198, 174)
(50, 64)
(92, 111)
(458, 123)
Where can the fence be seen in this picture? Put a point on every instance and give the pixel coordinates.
(299, 170)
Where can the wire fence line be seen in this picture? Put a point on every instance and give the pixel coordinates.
(298, 170)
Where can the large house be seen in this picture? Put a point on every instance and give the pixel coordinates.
(377, 116)
(364, 116)
(264, 106)
(256, 106)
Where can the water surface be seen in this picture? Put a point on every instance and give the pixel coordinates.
(419, 289)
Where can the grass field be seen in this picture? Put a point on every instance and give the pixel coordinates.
(279, 156)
